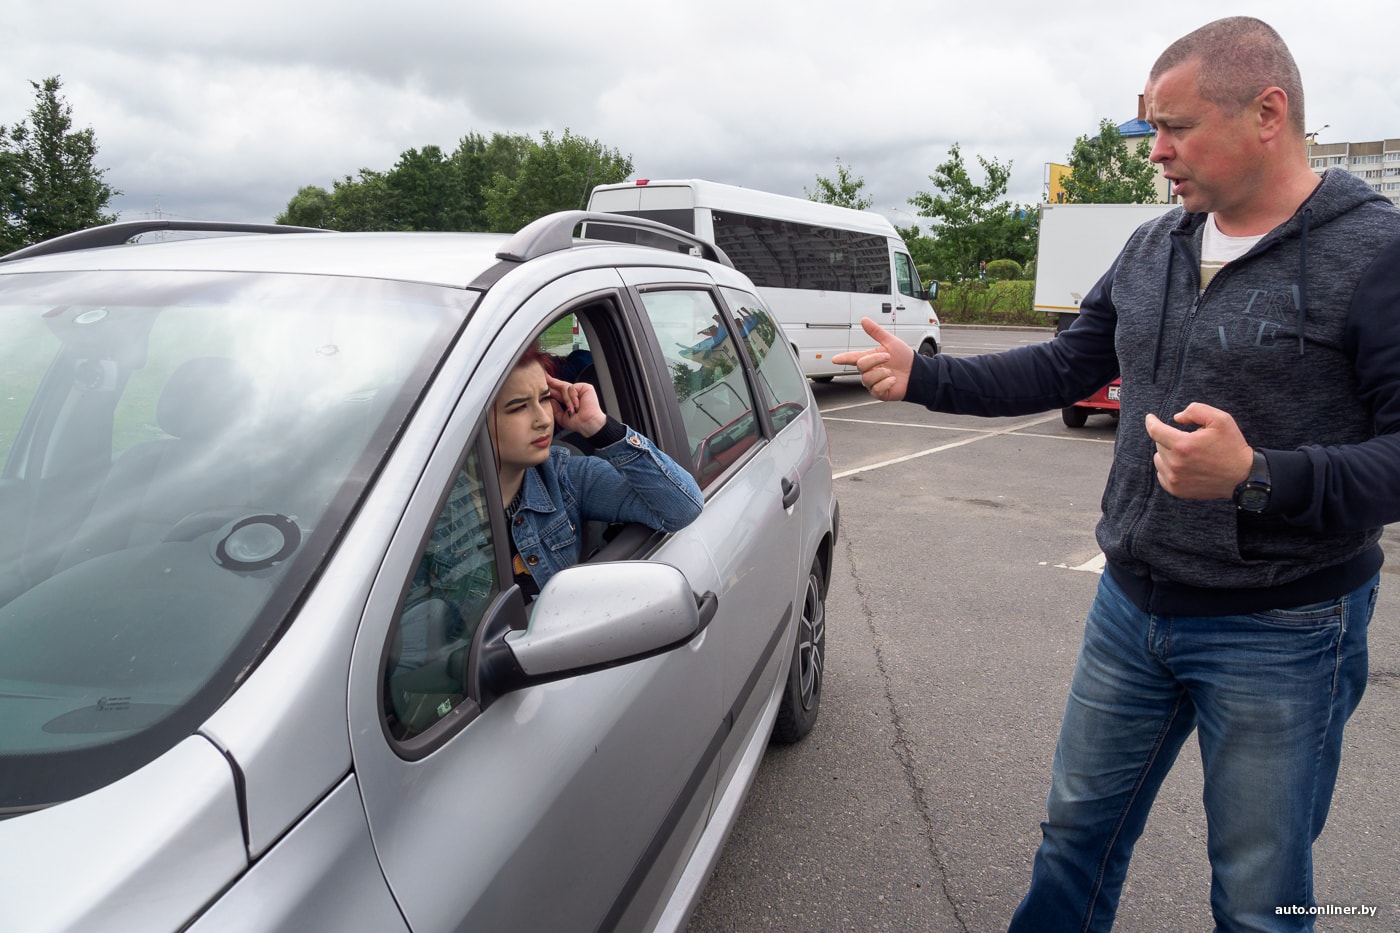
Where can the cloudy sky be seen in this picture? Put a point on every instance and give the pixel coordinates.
(223, 110)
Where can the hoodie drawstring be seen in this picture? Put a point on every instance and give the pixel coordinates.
(1162, 313)
(1300, 287)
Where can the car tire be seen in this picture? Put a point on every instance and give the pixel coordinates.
(803, 693)
(928, 348)
(822, 379)
(1074, 416)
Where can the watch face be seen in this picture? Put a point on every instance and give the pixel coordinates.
(1253, 498)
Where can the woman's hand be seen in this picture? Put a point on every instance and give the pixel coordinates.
(576, 406)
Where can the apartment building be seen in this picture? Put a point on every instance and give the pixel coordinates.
(1377, 163)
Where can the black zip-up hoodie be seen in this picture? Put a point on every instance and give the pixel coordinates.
(1299, 340)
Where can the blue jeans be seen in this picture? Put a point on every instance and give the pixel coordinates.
(1268, 694)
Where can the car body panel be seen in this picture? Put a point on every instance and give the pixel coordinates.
(143, 853)
(451, 260)
(1106, 399)
(321, 876)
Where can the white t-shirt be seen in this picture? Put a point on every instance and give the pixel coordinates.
(1217, 249)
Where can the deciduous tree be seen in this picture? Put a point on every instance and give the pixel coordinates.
(1104, 171)
(555, 175)
(498, 184)
(312, 206)
(843, 191)
(973, 223)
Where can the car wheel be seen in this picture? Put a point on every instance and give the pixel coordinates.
(928, 348)
(1074, 416)
(803, 694)
(822, 378)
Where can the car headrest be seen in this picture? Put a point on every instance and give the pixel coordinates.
(203, 396)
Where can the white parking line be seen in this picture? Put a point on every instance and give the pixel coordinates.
(1092, 565)
(873, 401)
(981, 436)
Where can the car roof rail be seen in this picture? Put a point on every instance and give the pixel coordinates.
(554, 232)
(116, 234)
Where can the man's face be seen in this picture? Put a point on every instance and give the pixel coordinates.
(1211, 157)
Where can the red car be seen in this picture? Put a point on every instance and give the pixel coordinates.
(1105, 400)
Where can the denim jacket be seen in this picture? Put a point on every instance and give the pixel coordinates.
(628, 480)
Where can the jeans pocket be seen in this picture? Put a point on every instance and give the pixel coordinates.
(1312, 614)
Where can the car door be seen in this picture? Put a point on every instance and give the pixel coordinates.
(564, 806)
(911, 308)
(751, 525)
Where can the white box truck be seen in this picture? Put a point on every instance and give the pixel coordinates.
(820, 268)
(1078, 242)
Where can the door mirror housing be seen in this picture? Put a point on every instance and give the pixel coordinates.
(599, 615)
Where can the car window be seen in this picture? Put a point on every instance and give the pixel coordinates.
(192, 445)
(707, 377)
(25, 355)
(451, 589)
(781, 383)
(906, 275)
(174, 338)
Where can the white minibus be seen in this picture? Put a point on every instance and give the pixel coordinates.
(821, 268)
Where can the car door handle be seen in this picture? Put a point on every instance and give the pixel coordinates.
(791, 491)
(886, 308)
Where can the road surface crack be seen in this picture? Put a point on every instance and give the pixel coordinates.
(903, 747)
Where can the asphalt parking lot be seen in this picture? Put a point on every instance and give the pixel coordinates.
(966, 564)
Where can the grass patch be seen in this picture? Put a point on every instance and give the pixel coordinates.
(1007, 303)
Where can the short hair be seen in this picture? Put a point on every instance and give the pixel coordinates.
(1237, 57)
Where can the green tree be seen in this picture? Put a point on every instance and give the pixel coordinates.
(1104, 171)
(973, 223)
(421, 189)
(11, 197)
(49, 184)
(845, 191)
(475, 164)
(312, 206)
(498, 184)
(922, 250)
(555, 175)
(363, 203)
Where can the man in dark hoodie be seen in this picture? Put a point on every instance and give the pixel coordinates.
(1257, 334)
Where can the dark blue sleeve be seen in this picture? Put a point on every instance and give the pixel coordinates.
(1354, 486)
(1030, 379)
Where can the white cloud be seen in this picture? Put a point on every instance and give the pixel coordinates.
(226, 110)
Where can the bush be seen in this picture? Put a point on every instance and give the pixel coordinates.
(1002, 270)
(1006, 303)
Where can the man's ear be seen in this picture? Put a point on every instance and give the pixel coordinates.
(1271, 110)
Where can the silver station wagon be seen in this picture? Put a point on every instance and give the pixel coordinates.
(227, 461)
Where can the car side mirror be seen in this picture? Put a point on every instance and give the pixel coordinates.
(598, 615)
(931, 292)
(587, 617)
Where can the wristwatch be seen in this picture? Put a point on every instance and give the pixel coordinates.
(1253, 494)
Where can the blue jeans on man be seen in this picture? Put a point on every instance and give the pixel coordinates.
(1268, 695)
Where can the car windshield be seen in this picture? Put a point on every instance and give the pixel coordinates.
(180, 451)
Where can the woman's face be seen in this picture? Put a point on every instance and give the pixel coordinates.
(522, 419)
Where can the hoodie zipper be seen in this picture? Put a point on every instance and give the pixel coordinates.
(1183, 342)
